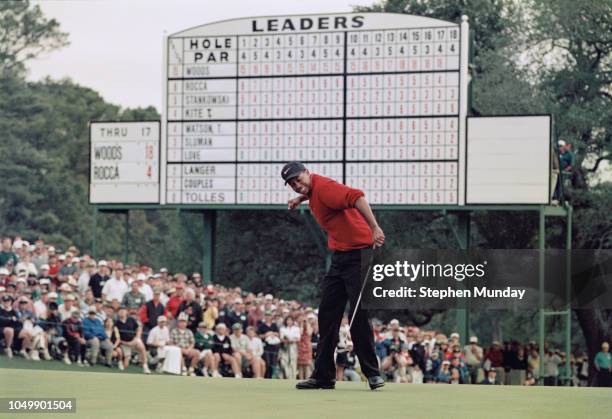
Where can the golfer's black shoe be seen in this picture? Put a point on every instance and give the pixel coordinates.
(376, 382)
(314, 384)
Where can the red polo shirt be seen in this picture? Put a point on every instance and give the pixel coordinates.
(333, 206)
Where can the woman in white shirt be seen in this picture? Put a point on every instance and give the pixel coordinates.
(290, 336)
(257, 350)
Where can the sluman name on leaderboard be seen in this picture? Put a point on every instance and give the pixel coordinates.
(427, 292)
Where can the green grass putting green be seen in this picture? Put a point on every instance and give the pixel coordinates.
(126, 395)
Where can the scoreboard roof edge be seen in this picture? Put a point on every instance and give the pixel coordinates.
(284, 24)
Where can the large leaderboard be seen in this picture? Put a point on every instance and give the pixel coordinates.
(372, 100)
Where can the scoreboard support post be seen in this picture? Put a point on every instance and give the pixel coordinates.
(567, 312)
(463, 314)
(126, 244)
(462, 234)
(94, 220)
(208, 245)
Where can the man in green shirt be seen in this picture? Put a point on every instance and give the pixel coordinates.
(133, 299)
(603, 365)
(7, 255)
(567, 159)
(567, 162)
(203, 343)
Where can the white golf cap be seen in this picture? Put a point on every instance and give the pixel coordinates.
(44, 267)
(52, 295)
(62, 257)
(103, 263)
(51, 249)
(394, 322)
(268, 297)
(454, 335)
(141, 277)
(44, 281)
(4, 271)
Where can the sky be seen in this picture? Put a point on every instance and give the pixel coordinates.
(116, 45)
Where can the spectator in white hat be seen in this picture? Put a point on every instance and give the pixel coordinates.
(64, 289)
(222, 352)
(69, 306)
(4, 273)
(395, 324)
(71, 280)
(25, 264)
(168, 357)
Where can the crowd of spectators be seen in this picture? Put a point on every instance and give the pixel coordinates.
(72, 308)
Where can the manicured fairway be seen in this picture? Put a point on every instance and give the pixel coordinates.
(124, 395)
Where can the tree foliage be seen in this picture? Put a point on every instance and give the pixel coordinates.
(25, 33)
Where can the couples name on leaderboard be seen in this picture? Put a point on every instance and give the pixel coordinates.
(377, 109)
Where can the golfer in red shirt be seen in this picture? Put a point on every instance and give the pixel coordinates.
(351, 227)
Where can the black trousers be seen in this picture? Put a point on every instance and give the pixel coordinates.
(342, 283)
(75, 348)
(270, 356)
(604, 378)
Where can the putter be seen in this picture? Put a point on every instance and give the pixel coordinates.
(365, 280)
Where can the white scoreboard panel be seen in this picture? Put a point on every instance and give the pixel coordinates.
(509, 159)
(372, 100)
(124, 162)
